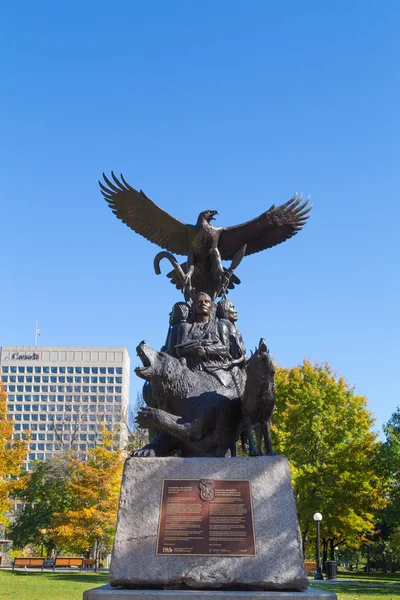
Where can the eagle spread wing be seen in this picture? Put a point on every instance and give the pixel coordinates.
(273, 227)
(142, 215)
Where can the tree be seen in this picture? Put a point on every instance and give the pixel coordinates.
(45, 493)
(12, 455)
(94, 487)
(386, 538)
(324, 429)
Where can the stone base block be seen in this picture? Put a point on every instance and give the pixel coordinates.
(278, 564)
(106, 592)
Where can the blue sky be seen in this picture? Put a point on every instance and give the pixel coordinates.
(215, 104)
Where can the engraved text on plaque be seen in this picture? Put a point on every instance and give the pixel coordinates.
(206, 517)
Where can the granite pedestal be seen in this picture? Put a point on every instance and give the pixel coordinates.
(278, 564)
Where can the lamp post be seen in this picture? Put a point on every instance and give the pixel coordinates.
(336, 553)
(43, 532)
(318, 574)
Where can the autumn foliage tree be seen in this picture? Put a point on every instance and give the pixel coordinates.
(44, 494)
(93, 500)
(12, 454)
(324, 429)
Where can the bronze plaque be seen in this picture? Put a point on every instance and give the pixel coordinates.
(204, 517)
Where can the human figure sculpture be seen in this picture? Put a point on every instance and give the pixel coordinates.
(179, 314)
(226, 313)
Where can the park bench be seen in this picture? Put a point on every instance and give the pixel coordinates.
(89, 563)
(28, 562)
(68, 561)
(310, 566)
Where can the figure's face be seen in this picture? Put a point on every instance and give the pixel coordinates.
(232, 314)
(203, 305)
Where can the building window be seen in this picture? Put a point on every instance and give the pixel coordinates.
(21, 378)
(45, 388)
(118, 380)
(45, 379)
(53, 379)
(28, 379)
(21, 369)
(103, 370)
(61, 379)
(4, 379)
(28, 388)
(13, 369)
(119, 370)
(20, 388)
(38, 369)
(78, 369)
(29, 369)
(5, 369)
(54, 369)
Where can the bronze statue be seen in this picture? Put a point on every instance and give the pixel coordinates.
(204, 245)
(201, 390)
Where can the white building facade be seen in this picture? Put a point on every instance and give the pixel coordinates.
(63, 396)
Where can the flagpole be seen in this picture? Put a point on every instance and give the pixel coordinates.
(36, 330)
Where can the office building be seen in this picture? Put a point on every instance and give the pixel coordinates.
(63, 396)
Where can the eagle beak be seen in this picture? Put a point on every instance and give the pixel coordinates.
(214, 212)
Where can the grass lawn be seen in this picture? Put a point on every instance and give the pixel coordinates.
(21, 585)
(65, 585)
(376, 586)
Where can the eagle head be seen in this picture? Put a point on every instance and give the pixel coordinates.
(207, 215)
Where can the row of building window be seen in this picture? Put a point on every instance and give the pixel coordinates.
(94, 370)
(50, 427)
(94, 389)
(58, 379)
(63, 407)
(61, 398)
(17, 416)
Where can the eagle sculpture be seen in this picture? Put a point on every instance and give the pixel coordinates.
(204, 245)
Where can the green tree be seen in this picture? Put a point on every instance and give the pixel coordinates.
(45, 493)
(324, 429)
(386, 538)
